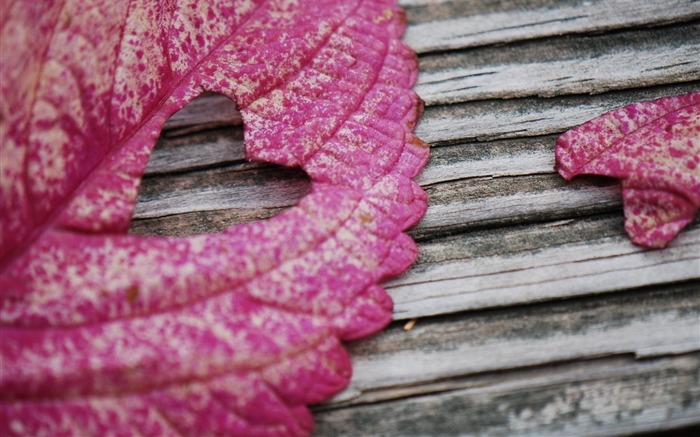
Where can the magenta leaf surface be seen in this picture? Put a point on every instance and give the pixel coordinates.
(654, 147)
(105, 333)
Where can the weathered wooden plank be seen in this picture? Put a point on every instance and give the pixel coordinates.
(512, 157)
(643, 323)
(517, 239)
(498, 119)
(200, 222)
(574, 65)
(600, 397)
(475, 203)
(568, 270)
(240, 187)
(448, 25)
(196, 150)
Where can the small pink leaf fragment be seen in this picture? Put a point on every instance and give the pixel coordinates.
(654, 148)
(105, 333)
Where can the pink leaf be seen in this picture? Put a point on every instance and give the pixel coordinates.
(654, 147)
(105, 333)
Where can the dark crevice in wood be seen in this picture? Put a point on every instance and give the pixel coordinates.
(199, 222)
(522, 237)
(421, 235)
(483, 178)
(647, 294)
(681, 431)
(236, 165)
(529, 101)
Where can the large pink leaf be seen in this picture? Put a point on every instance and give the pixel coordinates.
(654, 147)
(105, 333)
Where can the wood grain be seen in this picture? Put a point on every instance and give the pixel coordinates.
(644, 323)
(593, 266)
(453, 25)
(619, 352)
(600, 397)
(575, 65)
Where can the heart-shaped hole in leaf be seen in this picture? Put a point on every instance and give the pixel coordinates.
(212, 200)
(198, 181)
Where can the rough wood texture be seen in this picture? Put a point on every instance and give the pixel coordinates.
(654, 322)
(603, 397)
(576, 65)
(532, 312)
(453, 24)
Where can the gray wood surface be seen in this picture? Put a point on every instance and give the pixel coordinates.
(533, 314)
